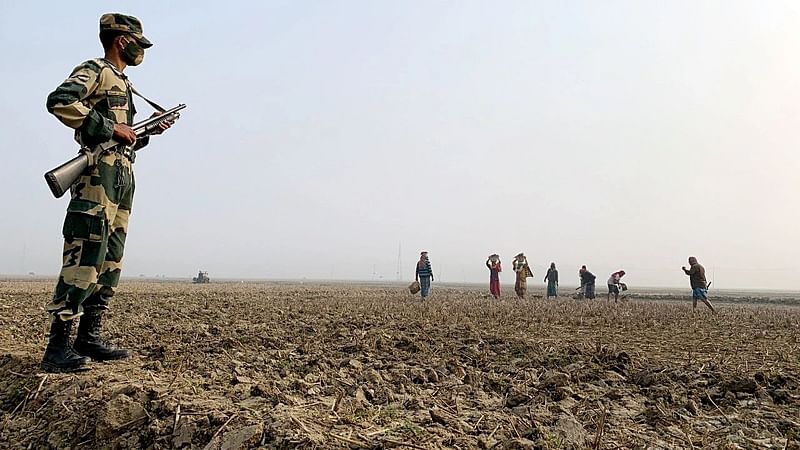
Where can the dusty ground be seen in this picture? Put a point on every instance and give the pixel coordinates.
(239, 366)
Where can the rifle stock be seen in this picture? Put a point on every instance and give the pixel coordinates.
(60, 179)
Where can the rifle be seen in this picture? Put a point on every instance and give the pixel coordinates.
(64, 176)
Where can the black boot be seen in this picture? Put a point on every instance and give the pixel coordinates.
(88, 342)
(59, 355)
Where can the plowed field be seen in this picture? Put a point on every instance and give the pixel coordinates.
(265, 365)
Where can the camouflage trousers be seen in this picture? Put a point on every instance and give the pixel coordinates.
(95, 229)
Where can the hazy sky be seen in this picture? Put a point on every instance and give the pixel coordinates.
(322, 135)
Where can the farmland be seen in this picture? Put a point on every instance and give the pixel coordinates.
(289, 365)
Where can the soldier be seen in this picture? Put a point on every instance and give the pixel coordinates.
(96, 101)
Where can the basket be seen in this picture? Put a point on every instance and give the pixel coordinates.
(414, 287)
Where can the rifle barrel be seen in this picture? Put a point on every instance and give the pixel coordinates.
(143, 125)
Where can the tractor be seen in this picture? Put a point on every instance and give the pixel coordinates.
(202, 277)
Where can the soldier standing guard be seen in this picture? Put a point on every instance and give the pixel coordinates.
(96, 101)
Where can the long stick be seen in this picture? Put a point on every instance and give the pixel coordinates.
(208, 446)
(600, 428)
(177, 418)
(39, 389)
(720, 411)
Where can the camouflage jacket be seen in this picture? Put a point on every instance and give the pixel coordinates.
(94, 97)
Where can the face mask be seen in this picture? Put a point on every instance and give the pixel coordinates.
(133, 54)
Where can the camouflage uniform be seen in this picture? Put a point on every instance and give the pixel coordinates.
(95, 97)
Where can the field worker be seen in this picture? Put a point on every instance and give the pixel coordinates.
(522, 271)
(697, 279)
(613, 285)
(424, 274)
(96, 101)
(551, 278)
(587, 282)
(493, 264)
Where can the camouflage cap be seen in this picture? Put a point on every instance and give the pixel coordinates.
(127, 24)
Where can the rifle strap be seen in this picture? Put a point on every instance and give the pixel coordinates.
(155, 105)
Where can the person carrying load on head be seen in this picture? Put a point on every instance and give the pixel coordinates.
(493, 264)
(522, 271)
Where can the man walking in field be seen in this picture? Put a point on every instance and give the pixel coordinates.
(424, 274)
(697, 279)
(96, 101)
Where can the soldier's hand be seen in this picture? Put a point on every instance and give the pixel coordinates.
(124, 134)
(163, 126)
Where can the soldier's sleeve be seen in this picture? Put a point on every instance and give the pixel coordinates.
(66, 103)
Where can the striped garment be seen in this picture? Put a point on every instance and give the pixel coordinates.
(424, 269)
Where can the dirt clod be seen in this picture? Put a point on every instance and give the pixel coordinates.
(120, 412)
(243, 438)
(554, 379)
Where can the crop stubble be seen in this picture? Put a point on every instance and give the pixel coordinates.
(237, 366)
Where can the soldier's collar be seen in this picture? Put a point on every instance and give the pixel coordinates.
(114, 68)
